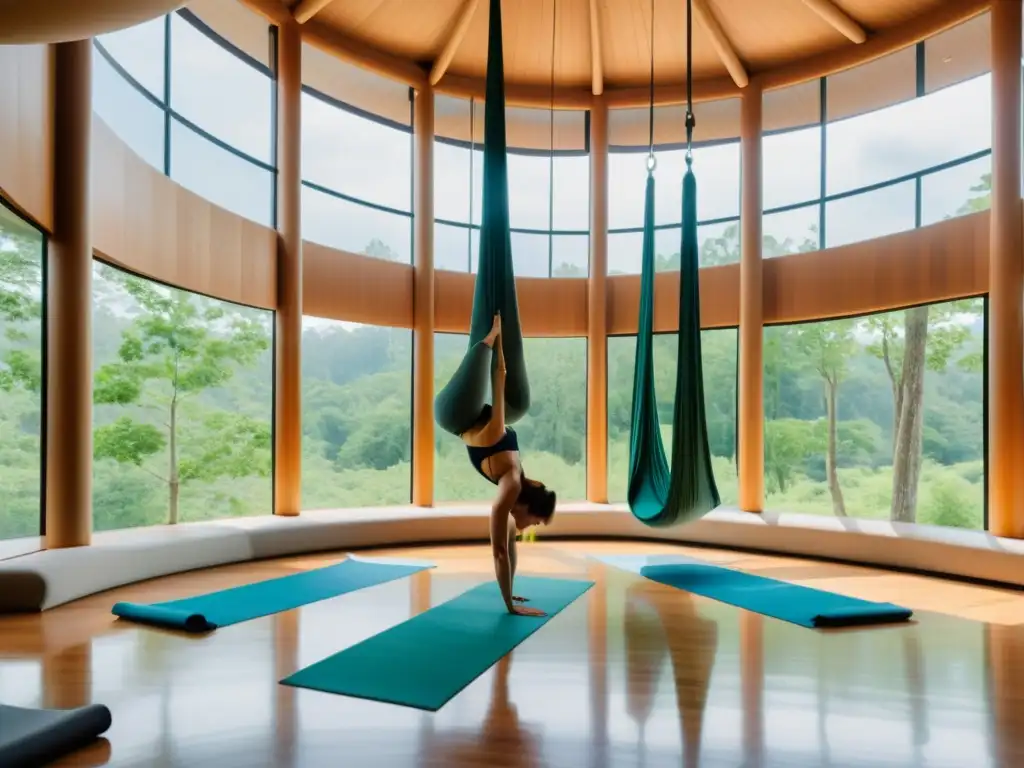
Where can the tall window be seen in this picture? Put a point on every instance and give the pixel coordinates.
(718, 349)
(356, 166)
(848, 433)
(183, 397)
(357, 414)
(549, 191)
(920, 153)
(193, 106)
(552, 437)
(21, 383)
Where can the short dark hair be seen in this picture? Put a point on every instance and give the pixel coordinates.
(538, 499)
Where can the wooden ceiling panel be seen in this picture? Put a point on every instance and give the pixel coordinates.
(413, 29)
(781, 42)
(885, 14)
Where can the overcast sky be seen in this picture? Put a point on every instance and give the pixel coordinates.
(370, 161)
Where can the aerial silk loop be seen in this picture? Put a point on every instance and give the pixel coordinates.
(458, 406)
(658, 495)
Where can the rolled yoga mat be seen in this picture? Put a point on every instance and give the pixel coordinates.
(34, 737)
(203, 613)
(425, 661)
(805, 606)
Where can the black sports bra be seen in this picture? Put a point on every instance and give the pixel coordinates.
(478, 454)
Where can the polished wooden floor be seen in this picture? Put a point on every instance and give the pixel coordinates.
(632, 674)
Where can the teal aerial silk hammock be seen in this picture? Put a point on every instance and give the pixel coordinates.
(658, 495)
(458, 406)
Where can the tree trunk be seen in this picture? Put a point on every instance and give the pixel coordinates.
(173, 483)
(906, 465)
(831, 402)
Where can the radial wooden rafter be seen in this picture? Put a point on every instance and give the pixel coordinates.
(455, 39)
(780, 42)
(838, 19)
(596, 65)
(720, 41)
(307, 9)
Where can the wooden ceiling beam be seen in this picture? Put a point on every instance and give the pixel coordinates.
(838, 19)
(703, 12)
(458, 33)
(307, 9)
(596, 57)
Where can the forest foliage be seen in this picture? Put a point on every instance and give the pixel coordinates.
(878, 417)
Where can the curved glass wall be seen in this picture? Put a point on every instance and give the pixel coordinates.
(356, 171)
(22, 256)
(922, 155)
(356, 414)
(549, 189)
(183, 403)
(193, 106)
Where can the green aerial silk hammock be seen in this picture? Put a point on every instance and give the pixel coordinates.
(658, 496)
(458, 406)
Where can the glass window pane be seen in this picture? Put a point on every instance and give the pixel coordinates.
(451, 182)
(627, 175)
(794, 231)
(356, 228)
(950, 485)
(222, 431)
(571, 191)
(718, 359)
(530, 255)
(570, 255)
(872, 214)
(552, 438)
(891, 142)
(718, 243)
(140, 50)
(791, 167)
(451, 248)
(221, 177)
(21, 332)
(476, 198)
(529, 191)
(717, 169)
(355, 155)
(219, 92)
(474, 249)
(136, 120)
(625, 250)
(356, 414)
(962, 189)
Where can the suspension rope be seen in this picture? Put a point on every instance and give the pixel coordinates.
(650, 118)
(691, 122)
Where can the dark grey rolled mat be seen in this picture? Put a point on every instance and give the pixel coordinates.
(35, 737)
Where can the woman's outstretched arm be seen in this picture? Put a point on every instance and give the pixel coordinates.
(508, 492)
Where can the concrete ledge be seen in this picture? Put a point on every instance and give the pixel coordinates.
(38, 581)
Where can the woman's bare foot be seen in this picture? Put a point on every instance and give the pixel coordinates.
(495, 331)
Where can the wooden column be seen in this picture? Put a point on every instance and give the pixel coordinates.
(597, 308)
(750, 418)
(288, 349)
(1006, 281)
(69, 306)
(423, 303)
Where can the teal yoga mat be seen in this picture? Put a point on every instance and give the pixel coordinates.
(425, 661)
(805, 606)
(231, 606)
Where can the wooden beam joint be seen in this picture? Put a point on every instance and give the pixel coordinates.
(838, 19)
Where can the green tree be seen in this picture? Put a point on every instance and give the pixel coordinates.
(908, 343)
(20, 305)
(178, 347)
(826, 347)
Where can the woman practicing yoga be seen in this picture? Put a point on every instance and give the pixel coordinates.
(494, 451)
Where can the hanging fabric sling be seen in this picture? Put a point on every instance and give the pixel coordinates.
(458, 406)
(658, 496)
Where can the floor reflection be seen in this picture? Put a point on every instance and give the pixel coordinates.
(633, 674)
